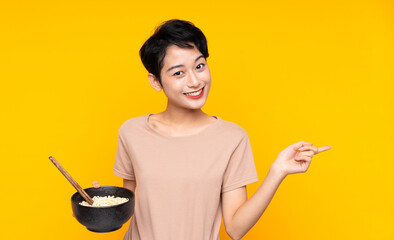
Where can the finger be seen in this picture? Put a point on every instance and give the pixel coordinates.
(322, 149)
(314, 149)
(306, 153)
(96, 184)
(303, 158)
(300, 144)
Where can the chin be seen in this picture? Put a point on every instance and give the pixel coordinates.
(195, 106)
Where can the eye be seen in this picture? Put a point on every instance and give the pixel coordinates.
(177, 73)
(201, 64)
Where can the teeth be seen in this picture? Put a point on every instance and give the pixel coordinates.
(195, 93)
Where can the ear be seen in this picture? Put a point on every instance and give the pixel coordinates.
(154, 82)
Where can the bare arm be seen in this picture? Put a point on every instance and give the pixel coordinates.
(241, 214)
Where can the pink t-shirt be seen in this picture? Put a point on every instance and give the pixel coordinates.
(179, 180)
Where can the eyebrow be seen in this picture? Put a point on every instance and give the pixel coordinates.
(177, 66)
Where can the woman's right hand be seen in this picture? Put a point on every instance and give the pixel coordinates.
(95, 185)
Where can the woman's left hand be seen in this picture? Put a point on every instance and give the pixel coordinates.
(297, 157)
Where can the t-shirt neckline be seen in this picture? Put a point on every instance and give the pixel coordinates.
(181, 137)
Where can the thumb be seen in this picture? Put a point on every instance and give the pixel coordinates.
(96, 184)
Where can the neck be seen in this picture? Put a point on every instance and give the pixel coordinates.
(182, 117)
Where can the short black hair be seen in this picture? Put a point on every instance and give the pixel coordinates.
(172, 32)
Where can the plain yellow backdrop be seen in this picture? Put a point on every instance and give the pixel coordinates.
(285, 71)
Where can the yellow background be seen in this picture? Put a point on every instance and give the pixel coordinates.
(286, 71)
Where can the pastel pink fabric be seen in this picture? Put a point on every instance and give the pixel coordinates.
(179, 180)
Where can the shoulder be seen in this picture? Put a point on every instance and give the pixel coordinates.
(233, 129)
(132, 124)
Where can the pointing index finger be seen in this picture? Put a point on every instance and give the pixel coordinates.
(322, 149)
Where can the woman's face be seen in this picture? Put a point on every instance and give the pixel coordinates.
(185, 70)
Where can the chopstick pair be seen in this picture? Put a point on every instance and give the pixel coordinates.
(72, 181)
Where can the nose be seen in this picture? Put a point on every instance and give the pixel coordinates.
(192, 80)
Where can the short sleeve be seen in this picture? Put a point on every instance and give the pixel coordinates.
(241, 169)
(123, 165)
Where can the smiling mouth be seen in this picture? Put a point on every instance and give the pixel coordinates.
(195, 92)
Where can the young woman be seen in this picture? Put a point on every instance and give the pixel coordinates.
(188, 169)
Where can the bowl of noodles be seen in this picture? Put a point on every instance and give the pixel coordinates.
(112, 207)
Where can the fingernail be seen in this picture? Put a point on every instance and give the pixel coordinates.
(301, 148)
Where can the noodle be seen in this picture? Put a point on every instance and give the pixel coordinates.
(105, 201)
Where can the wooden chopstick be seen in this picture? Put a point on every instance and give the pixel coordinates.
(72, 181)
